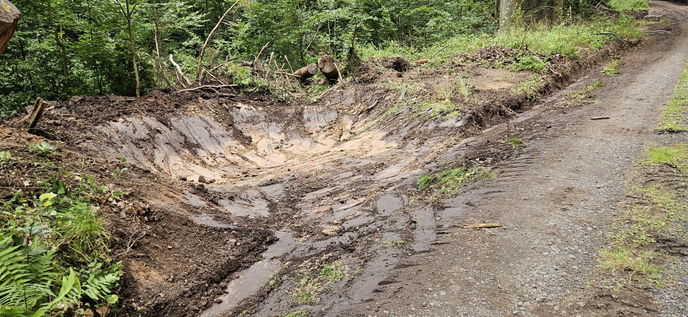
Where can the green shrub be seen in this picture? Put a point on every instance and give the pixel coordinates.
(532, 63)
(54, 252)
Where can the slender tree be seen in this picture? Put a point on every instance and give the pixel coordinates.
(127, 8)
(507, 8)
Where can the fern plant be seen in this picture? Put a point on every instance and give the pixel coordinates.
(100, 283)
(26, 278)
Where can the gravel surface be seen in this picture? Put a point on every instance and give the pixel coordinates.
(556, 202)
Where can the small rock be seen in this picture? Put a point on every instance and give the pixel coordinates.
(333, 230)
(201, 179)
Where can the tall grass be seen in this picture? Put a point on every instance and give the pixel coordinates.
(568, 40)
(629, 5)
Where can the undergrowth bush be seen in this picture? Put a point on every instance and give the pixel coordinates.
(54, 252)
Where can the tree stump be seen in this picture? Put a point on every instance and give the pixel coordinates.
(9, 17)
(398, 63)
(328, 66)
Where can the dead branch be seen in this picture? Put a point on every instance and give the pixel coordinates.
(255, 60)
(214, 77)
(208, 87)
(186, 82)
(133, 239)
(260, 70)
(479, 226)
(338, 72)
(209, 38)
(291, 68)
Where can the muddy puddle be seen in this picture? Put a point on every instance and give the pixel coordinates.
(249, 282)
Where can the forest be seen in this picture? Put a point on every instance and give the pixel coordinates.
(65, 48)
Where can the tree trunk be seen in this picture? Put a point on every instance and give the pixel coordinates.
(558, 11)
(9, 18)
(57, 30)
(128, 12)
(306, 72)
(328, 66)
(507, 8)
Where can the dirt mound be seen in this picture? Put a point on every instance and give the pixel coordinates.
(493, 54)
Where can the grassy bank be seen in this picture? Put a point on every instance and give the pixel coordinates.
(652, 220)
(568, 40)
(673, 116)
(629, 5)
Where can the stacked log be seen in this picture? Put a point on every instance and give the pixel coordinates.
(328, 66)
(306, 72)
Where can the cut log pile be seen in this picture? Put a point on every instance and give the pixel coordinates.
(306, 72)
(9, 17)
(328, 66)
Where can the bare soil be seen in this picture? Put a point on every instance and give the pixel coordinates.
(237, 203)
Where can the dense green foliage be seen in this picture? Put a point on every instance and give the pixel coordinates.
(68, 47)
(54, 248)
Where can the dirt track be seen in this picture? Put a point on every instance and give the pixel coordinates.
(556, 201)
(243, 201)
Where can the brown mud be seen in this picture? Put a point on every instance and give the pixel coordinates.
(241, 201)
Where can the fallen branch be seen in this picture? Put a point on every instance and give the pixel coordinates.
(255, 60)
(133, 239)
(209, 38)
(180, 73)
(339, 72)
(208, 87)
(214, 77)
(599, 118)
(276, 72)
(479, 226)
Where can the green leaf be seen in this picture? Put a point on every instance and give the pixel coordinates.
(47, 199)
(112, 299)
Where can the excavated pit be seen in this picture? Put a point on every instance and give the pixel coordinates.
(311, 175)
(241, 189)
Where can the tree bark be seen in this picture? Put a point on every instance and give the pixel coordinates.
(328, 66)
(306, 72)
(9, 18)
(507, 8)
